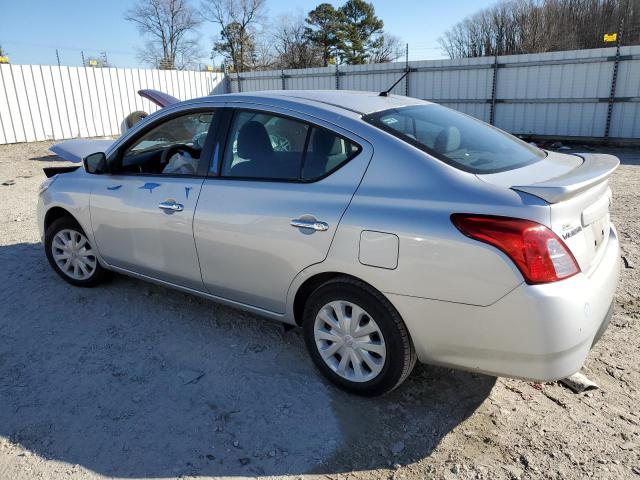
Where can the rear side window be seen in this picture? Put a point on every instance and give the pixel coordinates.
(266, 146)
(457, 139)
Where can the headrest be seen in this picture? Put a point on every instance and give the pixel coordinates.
(448, 140)
(323, 142)
(253, 141)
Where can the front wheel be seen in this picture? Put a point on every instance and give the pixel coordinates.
(356, 338)
(71, 254)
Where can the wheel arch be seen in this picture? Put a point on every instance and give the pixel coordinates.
(307, 287)
(54, 213)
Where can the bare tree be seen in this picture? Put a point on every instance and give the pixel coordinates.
(292, 45)
(387, 48)
(168, 23)
(531, 26)
(238, 20)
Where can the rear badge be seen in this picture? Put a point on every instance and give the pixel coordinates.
(571, 232)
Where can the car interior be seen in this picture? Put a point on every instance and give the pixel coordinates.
(260, 145)
(461, 139)
(268, 146)
(174, 147)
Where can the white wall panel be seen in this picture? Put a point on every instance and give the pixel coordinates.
(557, 94)
(54, 103)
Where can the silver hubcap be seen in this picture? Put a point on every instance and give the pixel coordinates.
(73, 254)
(349, 341)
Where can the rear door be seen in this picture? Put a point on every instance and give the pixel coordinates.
(271, 208)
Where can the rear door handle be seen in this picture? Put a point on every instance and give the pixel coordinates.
(173, 206)
(312, 224)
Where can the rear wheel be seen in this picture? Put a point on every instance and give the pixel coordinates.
(356, 338)
(71, 254)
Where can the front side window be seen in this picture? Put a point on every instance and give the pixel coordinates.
(173, 147)
(266, 146)
(457, 139)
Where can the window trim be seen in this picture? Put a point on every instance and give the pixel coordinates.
(233, 111)
(207, 150)
(373, 119)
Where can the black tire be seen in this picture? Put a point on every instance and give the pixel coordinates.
(98, 275)
(134, 118)
(400, 354)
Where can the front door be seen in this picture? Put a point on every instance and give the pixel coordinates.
(274, 206)
(142, 213)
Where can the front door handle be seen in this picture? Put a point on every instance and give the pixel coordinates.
(312, 224)
(169, 205)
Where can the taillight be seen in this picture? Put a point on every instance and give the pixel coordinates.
(540, 255)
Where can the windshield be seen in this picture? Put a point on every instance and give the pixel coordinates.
(457, 139)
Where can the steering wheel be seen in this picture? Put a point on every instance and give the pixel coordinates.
(167, 153)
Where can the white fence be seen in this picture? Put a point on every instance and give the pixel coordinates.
(54, 103)
(558, 94)
(582, 93)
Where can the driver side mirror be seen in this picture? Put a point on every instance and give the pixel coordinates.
(96, 163)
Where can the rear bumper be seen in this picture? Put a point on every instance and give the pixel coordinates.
(537, 332)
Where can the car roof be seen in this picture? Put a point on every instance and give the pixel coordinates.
(358, 102)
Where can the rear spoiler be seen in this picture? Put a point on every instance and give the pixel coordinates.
(595, 169)
(159, 98)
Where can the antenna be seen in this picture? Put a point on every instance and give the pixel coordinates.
(386, 92)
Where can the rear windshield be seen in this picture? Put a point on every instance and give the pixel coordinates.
(457, 139)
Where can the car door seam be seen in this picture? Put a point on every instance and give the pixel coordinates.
(193, 233)
(326, 255)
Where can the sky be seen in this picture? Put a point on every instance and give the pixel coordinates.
(32, 30)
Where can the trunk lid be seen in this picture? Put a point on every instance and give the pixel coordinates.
(159, 98)
(577, 190)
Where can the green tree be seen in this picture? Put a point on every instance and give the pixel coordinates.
(359, 31)
(324, 26)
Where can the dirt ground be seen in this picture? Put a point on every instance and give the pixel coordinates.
(132, 380)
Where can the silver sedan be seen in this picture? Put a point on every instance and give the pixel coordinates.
(389, 229)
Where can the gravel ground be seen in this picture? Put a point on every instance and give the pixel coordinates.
(132, 380)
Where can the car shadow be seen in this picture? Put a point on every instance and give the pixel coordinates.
(135, 380)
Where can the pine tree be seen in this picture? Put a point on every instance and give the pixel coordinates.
(324, 28)
(360, 31)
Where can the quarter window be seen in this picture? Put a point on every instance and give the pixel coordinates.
(326, 152)
(265, 146)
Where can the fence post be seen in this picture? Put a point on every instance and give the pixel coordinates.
(494, 82)
(337, 76)
(284, 81)
(239, 82)
(227, 78)
(407, 69)
(612, 93)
